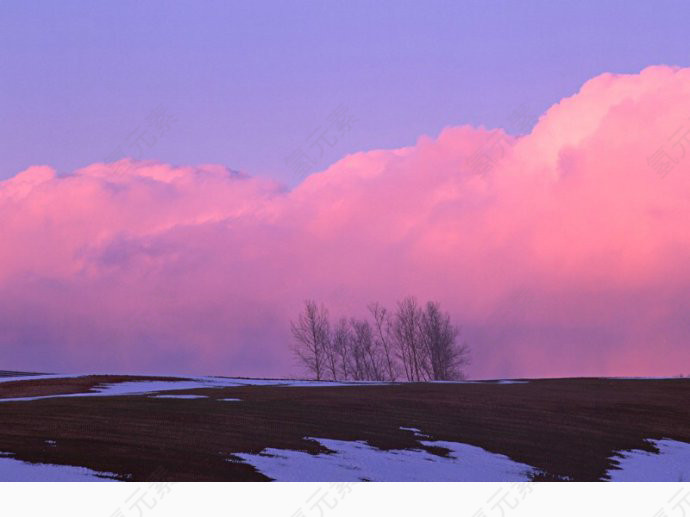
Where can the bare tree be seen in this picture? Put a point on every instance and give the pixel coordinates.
(341, 345)
(366, 363)
(384, 339)
(445, 357)
(332, 357)
(406, 329)
(423, 341)
(359, 336)
(312, 335)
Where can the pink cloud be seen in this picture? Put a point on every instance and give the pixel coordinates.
(568, 256)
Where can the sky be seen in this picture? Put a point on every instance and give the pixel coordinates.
(175, 178)
(249, 82)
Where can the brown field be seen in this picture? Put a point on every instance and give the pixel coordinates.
(568, 428)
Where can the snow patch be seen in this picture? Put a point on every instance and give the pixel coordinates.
(672, 463)
(143, 387)
(12, 469)
(358, 461)
(121, 389)
(186, 397)
(415, 431)
(41, 377)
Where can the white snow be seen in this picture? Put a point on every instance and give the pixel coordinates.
(143, 387)
(123, 388)
(290, 383)
(672, 463)
(12, 469)
(358, 461)
(416, 432)
(41, 377)
(483, 381)
(189, 397)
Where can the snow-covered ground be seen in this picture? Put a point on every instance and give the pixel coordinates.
(672, 463)
(38, 377)
(144, 387)
(214, 381)
(186, 397)
(124, 388)
(358, 461)
(12, 469)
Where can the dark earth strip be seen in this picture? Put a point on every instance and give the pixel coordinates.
(567, 428)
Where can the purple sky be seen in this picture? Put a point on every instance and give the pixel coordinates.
(563, 251)
(248, 82)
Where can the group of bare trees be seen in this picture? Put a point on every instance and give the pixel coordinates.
(414, 343)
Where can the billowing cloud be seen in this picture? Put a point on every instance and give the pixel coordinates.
(561, 252)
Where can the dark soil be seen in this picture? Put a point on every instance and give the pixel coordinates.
(567, 428)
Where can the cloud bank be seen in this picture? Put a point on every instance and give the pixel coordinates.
(561, 252)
